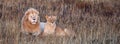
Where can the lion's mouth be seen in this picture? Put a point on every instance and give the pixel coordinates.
(33, 22)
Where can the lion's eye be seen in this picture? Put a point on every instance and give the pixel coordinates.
(31, 16)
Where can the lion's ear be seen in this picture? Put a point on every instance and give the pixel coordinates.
(27, 13)
(37, 12)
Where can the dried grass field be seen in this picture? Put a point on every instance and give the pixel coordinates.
(94, 21)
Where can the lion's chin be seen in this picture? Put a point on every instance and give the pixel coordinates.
(33, 23)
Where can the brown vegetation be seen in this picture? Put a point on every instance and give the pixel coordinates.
(95, 22)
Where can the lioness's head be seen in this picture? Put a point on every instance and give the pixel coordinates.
(51, 18)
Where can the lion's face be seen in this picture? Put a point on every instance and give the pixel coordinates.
(32, 16)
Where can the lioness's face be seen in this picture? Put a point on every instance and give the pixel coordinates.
(33, 18)
(51, 19)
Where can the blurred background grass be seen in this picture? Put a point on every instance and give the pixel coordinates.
(94, 21)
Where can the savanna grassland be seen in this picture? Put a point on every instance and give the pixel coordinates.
(94, 21)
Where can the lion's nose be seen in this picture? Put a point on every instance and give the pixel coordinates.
(33, 19)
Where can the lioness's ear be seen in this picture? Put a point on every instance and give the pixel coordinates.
(46, 16)
(55, 17)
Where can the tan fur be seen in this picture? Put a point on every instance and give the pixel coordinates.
(49, 26)
(60, 32)
(27, 26)
(52, 28)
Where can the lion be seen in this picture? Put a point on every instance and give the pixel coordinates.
(30, 23)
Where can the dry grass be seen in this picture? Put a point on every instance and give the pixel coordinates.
(95, 22)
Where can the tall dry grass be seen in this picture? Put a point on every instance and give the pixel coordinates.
(94, 22)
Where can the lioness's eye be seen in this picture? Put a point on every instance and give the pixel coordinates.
(49, 17)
